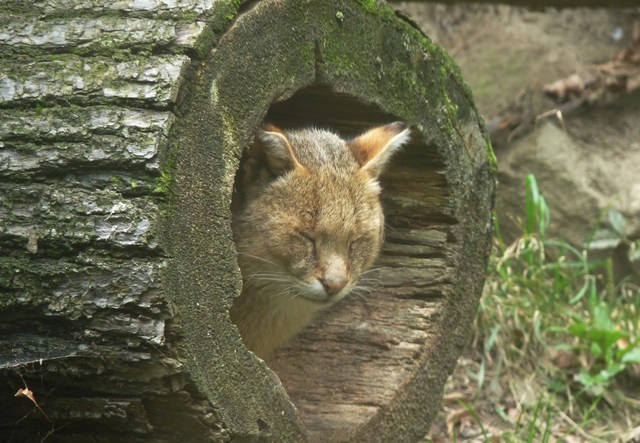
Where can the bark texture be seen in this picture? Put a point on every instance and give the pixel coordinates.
(121, 129)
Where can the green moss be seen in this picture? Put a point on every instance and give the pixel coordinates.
(374, 7)
(437, 52)
(168, 162)
(37, 270)
(205, 42)
(229, 129)
(421, 68)
(449, 69)
(307, 55)
(450, 108)
(344, 64)
(117, 181)
(409, 79)
(491, 156)
(223, 14)
(163, 183)
(162, 191)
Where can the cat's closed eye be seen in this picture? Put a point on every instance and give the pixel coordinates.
(307, 235)
(306, 240)
(359, 242)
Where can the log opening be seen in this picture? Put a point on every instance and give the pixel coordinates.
(353, 360)
(372, 368)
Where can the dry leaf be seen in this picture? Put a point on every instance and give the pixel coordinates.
(563, 88)
(633, 436)
(26, 392)
(456, 417)
(454, 396)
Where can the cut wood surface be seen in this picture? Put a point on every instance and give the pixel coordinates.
(121, 129)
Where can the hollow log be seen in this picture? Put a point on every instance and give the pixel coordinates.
(121, 129)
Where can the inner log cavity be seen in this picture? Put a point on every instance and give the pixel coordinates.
(354, 360)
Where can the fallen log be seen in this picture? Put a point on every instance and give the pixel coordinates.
(121, 129)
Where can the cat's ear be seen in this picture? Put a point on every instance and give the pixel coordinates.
(374, 148)
(274, 147)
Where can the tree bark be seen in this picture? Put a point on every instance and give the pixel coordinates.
(121, 129)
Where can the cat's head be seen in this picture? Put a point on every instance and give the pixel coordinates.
(311, 222)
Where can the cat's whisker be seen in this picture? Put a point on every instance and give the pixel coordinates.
(293, 294)
(258, 277)
(267, 282)
(369, 282)
(283, 292)
(357, 295)
(362, 292)
(268, 275)
(369, 278)
(362, 288)
(259, 258)
(371, 270)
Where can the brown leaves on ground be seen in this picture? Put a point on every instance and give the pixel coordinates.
(632, 436)
(621, 75)
(601, 84)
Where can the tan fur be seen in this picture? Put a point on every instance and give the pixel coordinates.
(309, 225)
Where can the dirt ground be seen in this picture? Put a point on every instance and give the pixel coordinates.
(585, 162)
(507, 55)
(502, 50)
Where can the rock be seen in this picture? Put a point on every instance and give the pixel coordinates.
(592, 189)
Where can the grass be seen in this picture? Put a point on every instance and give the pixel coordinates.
(556, 341)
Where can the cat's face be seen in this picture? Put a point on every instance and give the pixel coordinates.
(313, 235)
(312, 223)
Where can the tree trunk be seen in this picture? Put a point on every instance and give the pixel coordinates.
(121, 129)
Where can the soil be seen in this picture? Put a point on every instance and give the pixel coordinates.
(586, 162)
(502, 50)
(507, 55)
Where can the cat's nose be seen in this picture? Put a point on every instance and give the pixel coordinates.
(333, 285)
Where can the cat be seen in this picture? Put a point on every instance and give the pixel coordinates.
(308, 225)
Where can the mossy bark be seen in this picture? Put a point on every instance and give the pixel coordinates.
(121, 129)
